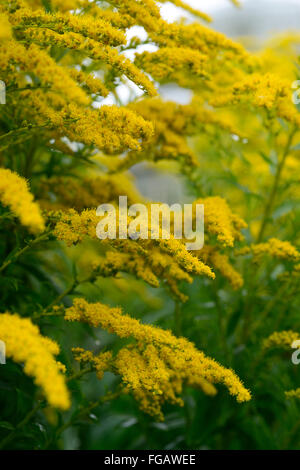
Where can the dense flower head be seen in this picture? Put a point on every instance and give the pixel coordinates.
(101, 362)
(221, 262)
(173, 125)
(25, 344)
(220, 221)
(14, 193)
(148, 259)
(155, 366)
(281, 339)
(279, 249)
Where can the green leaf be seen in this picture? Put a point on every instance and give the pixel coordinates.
(6, 425)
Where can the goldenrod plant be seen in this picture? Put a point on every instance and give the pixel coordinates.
(140, 342)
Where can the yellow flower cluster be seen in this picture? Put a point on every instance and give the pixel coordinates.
(263, 91)
(194, 38)
(110, 128)
(15, 56)
(281, 339)
(154, 266)
(56, 90)
(84, 33)
(14, 193)
(101, 362)
(115, 262)
(282, 250)
(155, 367)
(148, 259)
(151, 259)
(220, 221)
(24, 344)
(88, 26)
(198, 37)
(293, 393)
(73, 227)
(61, 103)
(173, 125)
(89, 82)
(221, 263)
(170, 62)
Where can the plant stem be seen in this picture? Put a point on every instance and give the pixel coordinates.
(21, 424)
(221, 321)
(13, 258)
(265, 221)
(84, 411)
(79, 374)
(47, 313)
(288, 441)
(274, 189)
(22, 129)
(178, 319)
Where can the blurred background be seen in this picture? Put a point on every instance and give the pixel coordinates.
(254, 17)
(258, 19)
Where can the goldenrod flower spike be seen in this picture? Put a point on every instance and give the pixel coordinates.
(281, 339)
(158, 363)
(88, 26)
(293, 393)
(25, 345)
(167, 61)
(267, 91)
(101, 362)
(14, 193)
(73, 228)
(221, 221)
(277, 248)
(221, 262)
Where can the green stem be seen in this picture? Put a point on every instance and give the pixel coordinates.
(47, 311)
(274, 189)
(11, 259)
(29, 162)
(289, 440)
(265, 221)
(34, 126)
(21, 424)
(44, 314)
(178, 319)
(60, 297)
(28, 88)
(221, 321)
(21, 129)
(84, 411)
(283, 295)
(79, 374)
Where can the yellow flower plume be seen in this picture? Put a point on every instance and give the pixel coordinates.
(25, 345)
(15, 194)
(155, 367)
